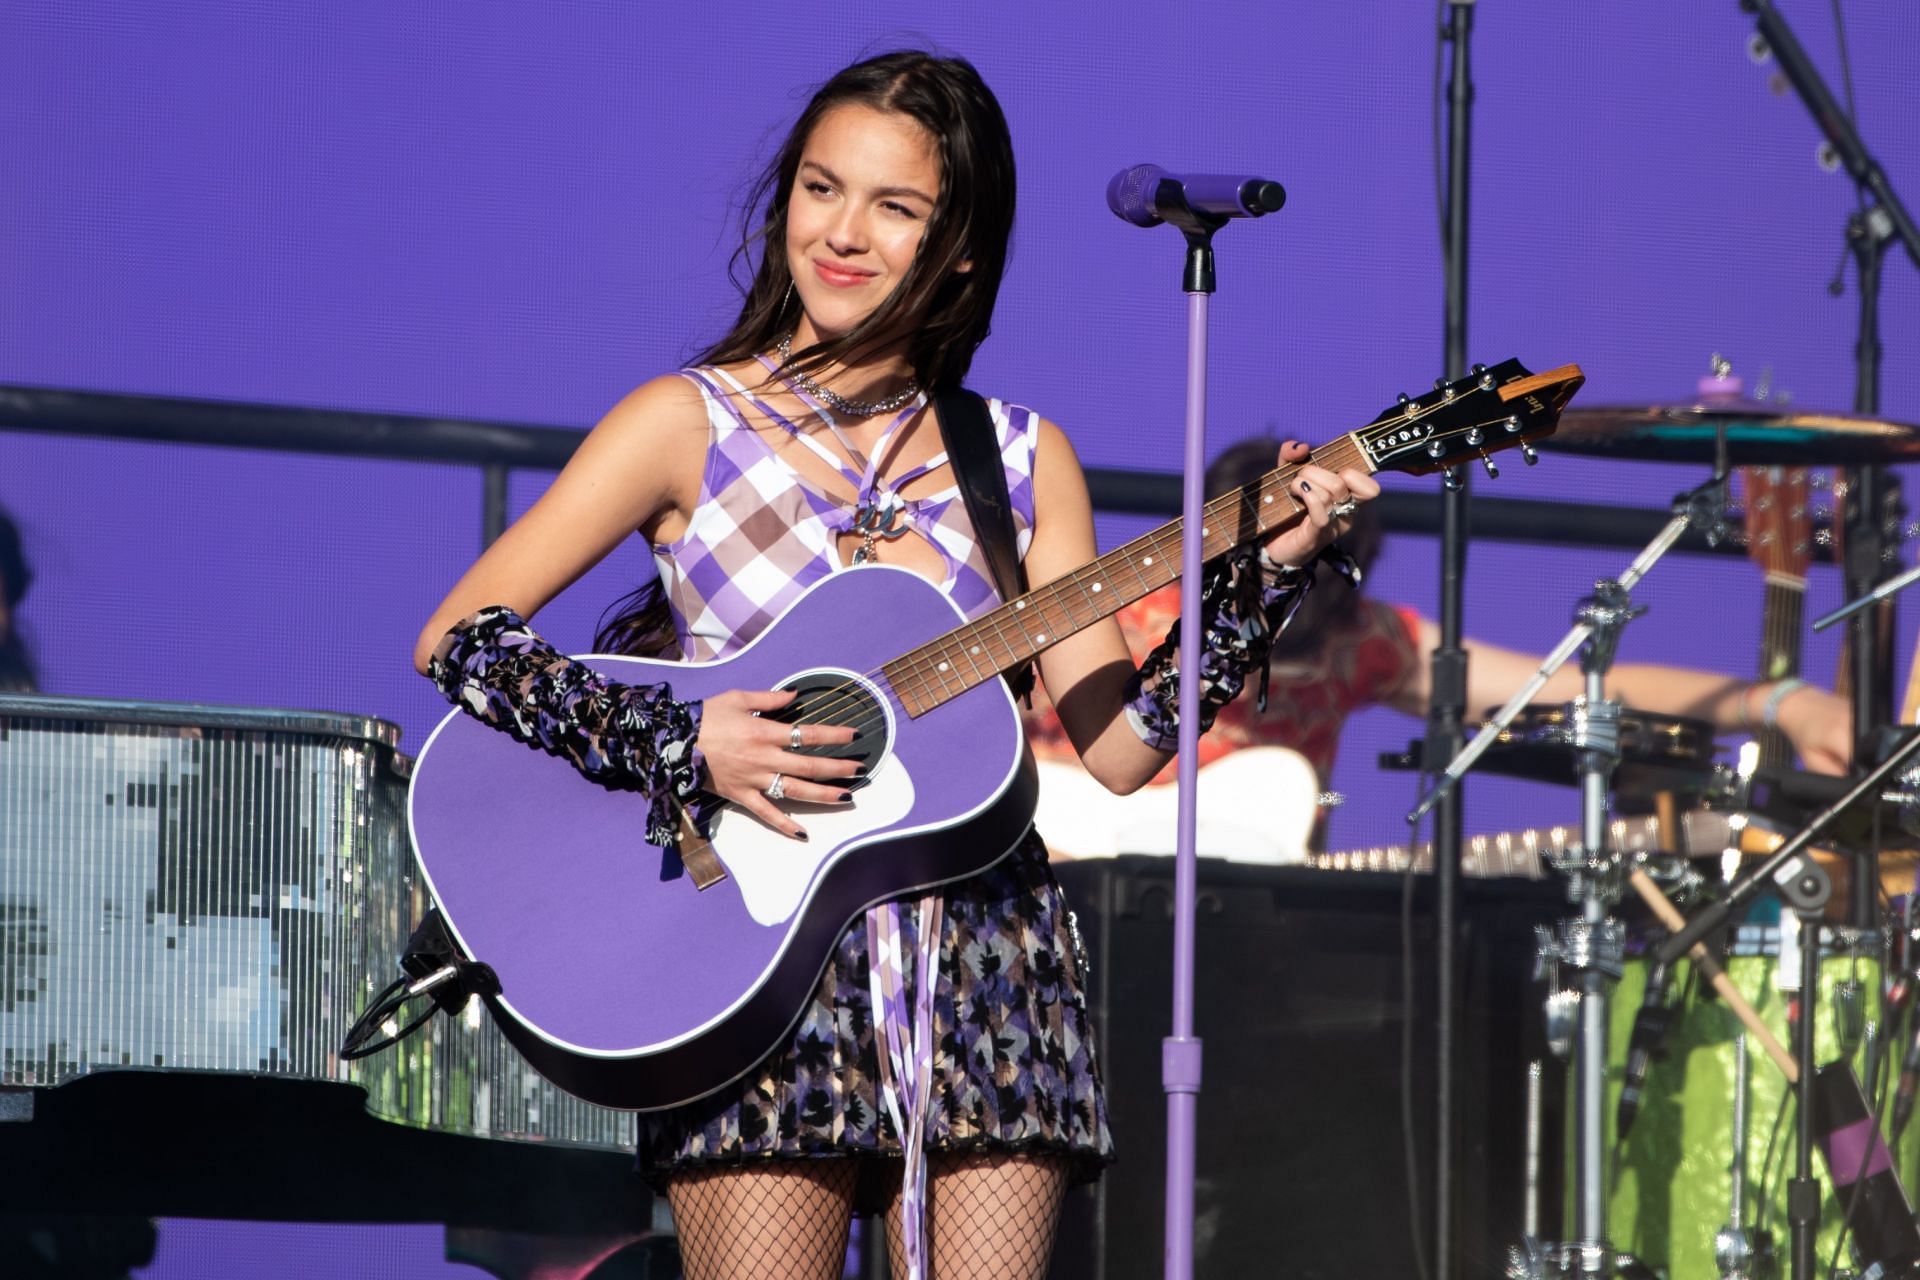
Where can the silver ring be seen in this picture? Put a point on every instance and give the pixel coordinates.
(777, 789)
(1346, 508)
(793, 739)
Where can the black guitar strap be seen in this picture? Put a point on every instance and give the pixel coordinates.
(973, 447)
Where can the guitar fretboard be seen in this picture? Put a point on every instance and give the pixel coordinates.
(1781, 617)
(1016, 631)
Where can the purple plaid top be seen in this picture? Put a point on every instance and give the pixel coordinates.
(762, 533)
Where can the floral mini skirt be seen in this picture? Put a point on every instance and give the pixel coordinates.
(1013, 1060)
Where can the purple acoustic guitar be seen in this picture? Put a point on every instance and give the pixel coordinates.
(625, 984)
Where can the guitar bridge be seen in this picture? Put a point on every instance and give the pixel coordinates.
(697, 856)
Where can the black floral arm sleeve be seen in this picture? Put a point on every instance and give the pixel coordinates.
(627, 737)
(1244, 603)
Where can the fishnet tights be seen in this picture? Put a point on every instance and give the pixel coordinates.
(785, 1220)
(989, 1217)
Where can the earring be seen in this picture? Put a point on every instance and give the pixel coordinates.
(787, 301)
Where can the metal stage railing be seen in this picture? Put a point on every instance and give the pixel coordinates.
(500, 448)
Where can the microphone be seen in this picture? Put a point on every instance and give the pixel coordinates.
(1644, 1045)
(1146, 194)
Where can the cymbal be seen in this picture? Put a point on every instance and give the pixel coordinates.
(1657, 752)
(1757, 434)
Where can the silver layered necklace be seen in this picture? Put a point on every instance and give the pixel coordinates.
(833, 399)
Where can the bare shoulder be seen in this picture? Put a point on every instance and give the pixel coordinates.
(655, 412)
(655, 437)
(1063, 535)
(1056, 464)
(1053, 448)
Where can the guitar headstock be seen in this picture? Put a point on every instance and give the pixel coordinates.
(1503, 407)
(1779, 521)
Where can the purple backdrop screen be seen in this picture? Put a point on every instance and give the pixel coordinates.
(518, 212)
(518, 216)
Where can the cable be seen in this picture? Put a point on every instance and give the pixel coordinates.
(1846, 78)
(1838, 285)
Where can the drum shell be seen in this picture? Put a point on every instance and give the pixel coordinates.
(1671, 1181)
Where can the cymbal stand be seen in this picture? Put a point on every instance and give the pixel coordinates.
(1742, 1252)
(1589, 947)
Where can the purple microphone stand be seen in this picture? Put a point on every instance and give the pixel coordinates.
(1198, 205)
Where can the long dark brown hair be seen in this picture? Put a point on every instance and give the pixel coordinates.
(938, 313)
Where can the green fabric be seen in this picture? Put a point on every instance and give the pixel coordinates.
(1672, 1180)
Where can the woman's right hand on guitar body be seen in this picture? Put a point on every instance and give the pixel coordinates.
(744, 749)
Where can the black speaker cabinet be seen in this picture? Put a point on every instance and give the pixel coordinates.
(1299, 1005)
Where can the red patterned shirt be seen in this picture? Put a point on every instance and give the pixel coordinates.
(1365, 659)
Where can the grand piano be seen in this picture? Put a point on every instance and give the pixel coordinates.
(195, 904)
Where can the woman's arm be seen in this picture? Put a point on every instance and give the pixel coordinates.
(638, 469)
(1818, 724)
(1087, 674)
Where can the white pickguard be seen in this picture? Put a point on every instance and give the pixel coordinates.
(773, 870)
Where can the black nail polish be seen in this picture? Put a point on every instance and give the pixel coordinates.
(846, 797)
(801, 835)
(1305, 487)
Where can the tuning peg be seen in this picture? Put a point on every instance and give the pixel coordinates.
(1531, 454)
(1513, 424)
(1493, 472)
(1451, 478)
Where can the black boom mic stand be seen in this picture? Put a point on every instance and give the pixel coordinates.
(1446, 713)
(1870, 232)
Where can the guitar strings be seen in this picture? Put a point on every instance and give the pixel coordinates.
(920, 661)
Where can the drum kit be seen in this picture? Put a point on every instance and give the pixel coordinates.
(1680, 1158)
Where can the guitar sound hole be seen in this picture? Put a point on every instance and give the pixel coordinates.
(827, 697)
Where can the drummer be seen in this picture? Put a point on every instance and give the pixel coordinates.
(1344, 652)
